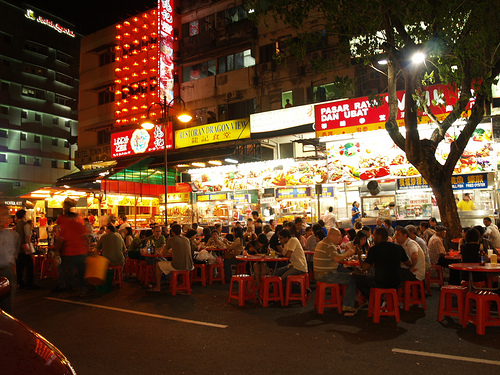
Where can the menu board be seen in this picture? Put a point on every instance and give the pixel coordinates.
(378, 157)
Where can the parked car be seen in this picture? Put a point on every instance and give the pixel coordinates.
(23, 351)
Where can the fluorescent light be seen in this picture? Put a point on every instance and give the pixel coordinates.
(229, 160)
(383, 62)
(66, 186)
(198, 164)
(183, 165)
(215, 162)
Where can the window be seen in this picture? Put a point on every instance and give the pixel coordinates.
(107, 57)
(22, 159)
(33, 69)
(326, 92)
(67, 165)
(4, 110)
(65, 58)
(37, 162)
(54, 142)
(64, 79)
(62, 100)
(268, 51)
(37, 139)
(194, 72)
(33, 93)
(24, 136)
(107, 96)
(5, 86)
(24, 114)
(35, 47)
(237, 61)
(38, 117)
(286, 99)
(103, 137)
(67, 123)
(66, 144)
(54, 163)
(55, 120)
(3, 158)
(199, 26)
(3, 133)
(236, 14)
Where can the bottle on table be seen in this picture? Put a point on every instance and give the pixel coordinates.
(482, 257)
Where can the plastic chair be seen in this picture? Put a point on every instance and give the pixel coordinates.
(439, 279)
(148, 273)
(49, 269)
(183, 285)
(391, 309)
(413, 293)
(276, 295)
(117, 274)
(131, 267)
(246, 289)
(334, 301)
(445, 302)
(220, 273)
(202, 274)
(482, 319)
(303, 281)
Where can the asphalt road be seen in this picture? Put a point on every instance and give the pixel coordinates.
(129, 331)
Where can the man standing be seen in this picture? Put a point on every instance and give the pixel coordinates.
(436, 247)
(326, 261)
(9, 247)
(24, 258)
(413, 251)
(112, 246)
(466, 204)
(292, 249)
(386, 257)
(329, 219)
(180, 249)
(492, 232)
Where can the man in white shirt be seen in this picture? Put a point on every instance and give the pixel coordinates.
(292, 249)
(412, 233)
(124, 223)
(491, 232)
(329, 219)
(414, 252)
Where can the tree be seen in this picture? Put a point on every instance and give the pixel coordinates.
(461, 44)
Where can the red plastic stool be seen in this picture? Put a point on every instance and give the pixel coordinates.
(277, 293)
(241, 268)
(246, 289)
(220, 269)
(303, 281)
(445, 302)
(412, 293)
(202, 274)
(117, 274)
(183, 285)
(49, 268)
(483, 301)
(376, 310)
(142, 270)
(148, 274)
(37, 262)
(131, 267)
(439, 279)
(334, 301)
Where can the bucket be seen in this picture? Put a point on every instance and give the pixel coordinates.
(95, 270)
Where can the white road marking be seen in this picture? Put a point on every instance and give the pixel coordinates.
(446, 356)
(140, 313)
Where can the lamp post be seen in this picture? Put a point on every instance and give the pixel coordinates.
(149, 124)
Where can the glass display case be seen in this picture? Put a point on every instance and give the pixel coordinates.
(378, 206)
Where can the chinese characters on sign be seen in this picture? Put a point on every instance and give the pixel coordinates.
(212, 133)
(178, 197)
(166, 42)
(211, 197)
(460, 182)
(293, 193)
(138, 141)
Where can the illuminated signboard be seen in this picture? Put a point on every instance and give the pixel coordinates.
(459, 182)
(139, 141)
(358, 115)
(211, 197)
(212, 133)
(282, 118)
(293, 193)
(44, 21)
(178, 197)
(241, 198)
(166, 58)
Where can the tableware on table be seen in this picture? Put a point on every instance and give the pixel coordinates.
(273, 253)
(490, 253)
(494, 259)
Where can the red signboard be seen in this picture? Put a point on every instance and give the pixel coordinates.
(140, 141)
(166, 58)
(358, 115)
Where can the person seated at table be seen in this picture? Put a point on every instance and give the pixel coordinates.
(311, 240)
(386, 257)
(358, 244)
(292, 249)
(179, 247)
(368, 231)
(416, 255)
(250, 235)
(412, 233)
(261, 246)
(195, 245)
(470, 254)
(157, 239)
(327, 270)
(207, 234)
(485, 243)
(437, 251)
(274, 242)
(112, 246)
(426, 231)
(268, 231)
(216, 241)
(128, 236)
(134, 249)
(462, 239)
(235, 248)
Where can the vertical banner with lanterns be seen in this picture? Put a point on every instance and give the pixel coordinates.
(166, 43)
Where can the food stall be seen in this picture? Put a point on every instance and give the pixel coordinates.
(213, 207)
(179, 207)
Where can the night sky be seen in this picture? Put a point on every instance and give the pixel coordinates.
(92, 15)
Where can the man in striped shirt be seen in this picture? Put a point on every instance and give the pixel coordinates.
(326, 261)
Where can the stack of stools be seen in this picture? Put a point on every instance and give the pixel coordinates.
(246, 289)
(220, 273)
(392, 304)
(202, 268)
(482, 319)
(117, 275)
(303, 282)
(335, 300)
(445, 302)
(131, 267)
(183, 285)
(49, 268)
(277, 293)
(413, 294)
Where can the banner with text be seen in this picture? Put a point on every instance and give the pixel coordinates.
(139, 141)
(460, 182)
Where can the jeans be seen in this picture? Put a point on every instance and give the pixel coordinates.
(284, 272)
(343, 277)
(228, 272)
(73, 263)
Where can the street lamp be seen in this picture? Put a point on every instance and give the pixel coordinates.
(149, 124)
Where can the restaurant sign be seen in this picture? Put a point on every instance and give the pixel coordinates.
(139, 141)
(178, 197)
(213, 133)
(282, 118)
(212, 197)
(361, 115)
(459, 182)
(293, 193)
(326, 192)
(241, 198)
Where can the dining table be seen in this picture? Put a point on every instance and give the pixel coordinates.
(476, 267)
(261, 258)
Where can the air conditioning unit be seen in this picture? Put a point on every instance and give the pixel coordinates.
(234, 95)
